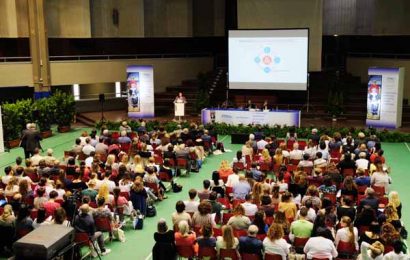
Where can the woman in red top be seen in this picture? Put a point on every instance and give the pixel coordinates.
(184, 237)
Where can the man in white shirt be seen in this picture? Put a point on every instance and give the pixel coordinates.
(101, 148)
(233, 179)
(191, 205)
(261, 144)
(250, 208)
(36, 158)
(319, 162)
(88, 148)
(296, 154)
(362, 162)
(89, 160)
(305, 162)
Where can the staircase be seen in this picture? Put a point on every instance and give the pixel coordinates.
(164, 100)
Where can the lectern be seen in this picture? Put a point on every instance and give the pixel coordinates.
(179, 109)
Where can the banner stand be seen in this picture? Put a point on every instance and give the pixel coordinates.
(385, 97)
(140, 89)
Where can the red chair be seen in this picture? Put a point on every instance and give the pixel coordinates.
(33, 214)
(330, 196)
(240, 233)
(388, 248)
(315, 181)
(348, 172)
(383, 201)
(22, 232)
(272, 256)
(379, 190)
(158, 159)
(302, 145)
(103, 224)
(248, 161)
(217, 232)
(294, 162)
(33, 176)
(186, 251)
(265, 167)
(182, 163)
(225, 201)
(361, 189)
(250, 256)
(197, 230)
(115, 135)
(291, 167)
(93, 204)
(359, 198)
(208, 252)
(163, 176)
(239, 165)
(236, 202)
(59, 201)
(228, 190)
(153, 186)
(125, 147)
(226, 217)
(289, 144)
(269, 220)
(261, 237)
(229, 253)
(125, 195)
(299, 243)
(346, 249)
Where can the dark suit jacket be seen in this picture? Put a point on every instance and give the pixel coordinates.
(250, 245)
(30, 140)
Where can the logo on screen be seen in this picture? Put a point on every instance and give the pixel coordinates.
(267, 60)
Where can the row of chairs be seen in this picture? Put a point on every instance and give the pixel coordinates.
(210, 253)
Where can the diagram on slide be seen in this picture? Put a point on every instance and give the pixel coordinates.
(267, 60)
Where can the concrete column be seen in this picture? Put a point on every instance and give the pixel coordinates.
(39, 48)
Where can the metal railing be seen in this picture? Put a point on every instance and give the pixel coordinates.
(111, 57)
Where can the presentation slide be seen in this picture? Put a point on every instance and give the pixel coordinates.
(268, 59)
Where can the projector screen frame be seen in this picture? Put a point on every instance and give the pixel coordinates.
(274, 29)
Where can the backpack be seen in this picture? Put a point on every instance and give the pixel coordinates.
(176, 187)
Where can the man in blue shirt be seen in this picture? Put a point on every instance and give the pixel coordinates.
(250, 244)
(256, 174)
(242, 188)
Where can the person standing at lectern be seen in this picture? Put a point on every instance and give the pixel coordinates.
(180, 99)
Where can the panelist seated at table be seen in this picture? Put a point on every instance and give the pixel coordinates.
(265, 105)
(250, 105)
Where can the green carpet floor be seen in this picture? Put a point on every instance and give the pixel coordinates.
(140, 242)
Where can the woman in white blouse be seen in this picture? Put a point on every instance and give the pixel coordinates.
(347, 233)
(274, 242)
(320, 246)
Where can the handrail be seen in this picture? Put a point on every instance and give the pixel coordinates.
(379, 55)
(112, 56)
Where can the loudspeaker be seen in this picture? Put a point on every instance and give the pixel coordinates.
(101, 97)
(45, 242)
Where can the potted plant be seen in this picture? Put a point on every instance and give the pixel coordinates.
(64, 110)
(44, 108)
(11, 125)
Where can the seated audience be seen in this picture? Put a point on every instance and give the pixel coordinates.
(274, 242)
(250, 244)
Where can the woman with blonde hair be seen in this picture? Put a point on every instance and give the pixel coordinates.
(278, 157)
(104, 192)
(247, 149)
(274, 242)
(185, 237)
(265, 156)
(138, 165)
(12, 187)
(227, 240)
(288, 206)
(390, 213)
(394, 200)
(7, 218)
(225, 170)
(347, 233)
